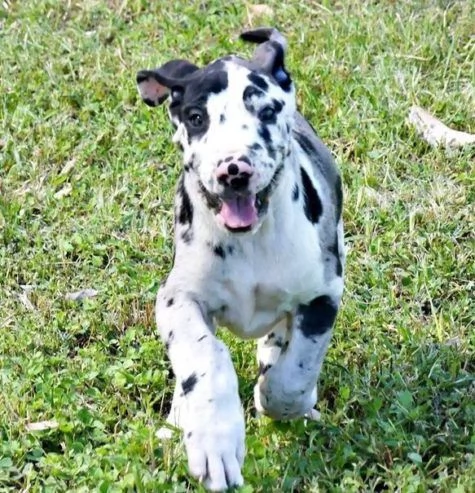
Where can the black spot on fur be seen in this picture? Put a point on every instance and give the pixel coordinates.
(218, 82)
(252, 92)
(210, 80)
(189, 434)
(170, 302)
(295, 193)
(305, 143)
(202, 337)
(263, 369)
(190, 164)
(264, 133)
(212, 201)
(185, 214)
(256, 146)
(189, 384)
(151, 102)
(219, 251)
(259, 81)
(278, 105)
(169, 340)
(339, 197)
(187, 236)
(301, 365)
(318, 316)
(312, 203)
(222, 118)
(230, 249)
(334, 249)
(262, 201)
(245, 159)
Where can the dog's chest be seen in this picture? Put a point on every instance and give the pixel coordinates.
(262, 283)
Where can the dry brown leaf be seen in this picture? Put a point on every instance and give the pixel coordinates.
(63, 192)
(437, 133)
(23, 297)
(82, 294)
(42, 425)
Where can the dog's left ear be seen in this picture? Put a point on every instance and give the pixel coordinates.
(155, 85)
(270, 53)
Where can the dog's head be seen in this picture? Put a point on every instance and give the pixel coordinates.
(233, 120)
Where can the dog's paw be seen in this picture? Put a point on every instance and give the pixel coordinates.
(216, 450)
(282, 403)
(313, 415)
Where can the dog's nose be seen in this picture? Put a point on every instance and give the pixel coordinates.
(234, 172)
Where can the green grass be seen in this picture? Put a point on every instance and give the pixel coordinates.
(87, 174)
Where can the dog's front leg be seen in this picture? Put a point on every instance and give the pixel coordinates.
(206, 402)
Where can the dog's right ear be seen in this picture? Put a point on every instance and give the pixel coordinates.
(155, 85)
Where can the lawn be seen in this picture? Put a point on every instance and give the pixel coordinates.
(87, 176)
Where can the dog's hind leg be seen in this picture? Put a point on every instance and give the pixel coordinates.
(269, 349)
(287, 389)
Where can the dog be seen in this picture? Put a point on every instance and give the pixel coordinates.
(259, 248)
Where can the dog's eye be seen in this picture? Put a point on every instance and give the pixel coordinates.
(195, 118)
(266, 114)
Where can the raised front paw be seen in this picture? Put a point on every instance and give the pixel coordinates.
(216, 450)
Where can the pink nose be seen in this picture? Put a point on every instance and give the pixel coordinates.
(234, 172)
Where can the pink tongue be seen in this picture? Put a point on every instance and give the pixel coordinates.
(239, 212)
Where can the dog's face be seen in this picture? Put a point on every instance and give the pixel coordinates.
(233, 120)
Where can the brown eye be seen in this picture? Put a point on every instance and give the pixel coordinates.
(195, 118)
(267, 114)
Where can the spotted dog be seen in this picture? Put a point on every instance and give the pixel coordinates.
(258, 248)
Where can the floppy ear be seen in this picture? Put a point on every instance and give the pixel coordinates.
(155, 85)
(269, 55)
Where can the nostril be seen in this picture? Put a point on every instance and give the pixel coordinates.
(223, 179)
(233, 169)
(234, 174)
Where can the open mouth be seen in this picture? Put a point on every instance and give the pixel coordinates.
(239, 213)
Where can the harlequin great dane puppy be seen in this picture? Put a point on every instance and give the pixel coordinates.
(259, 248)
